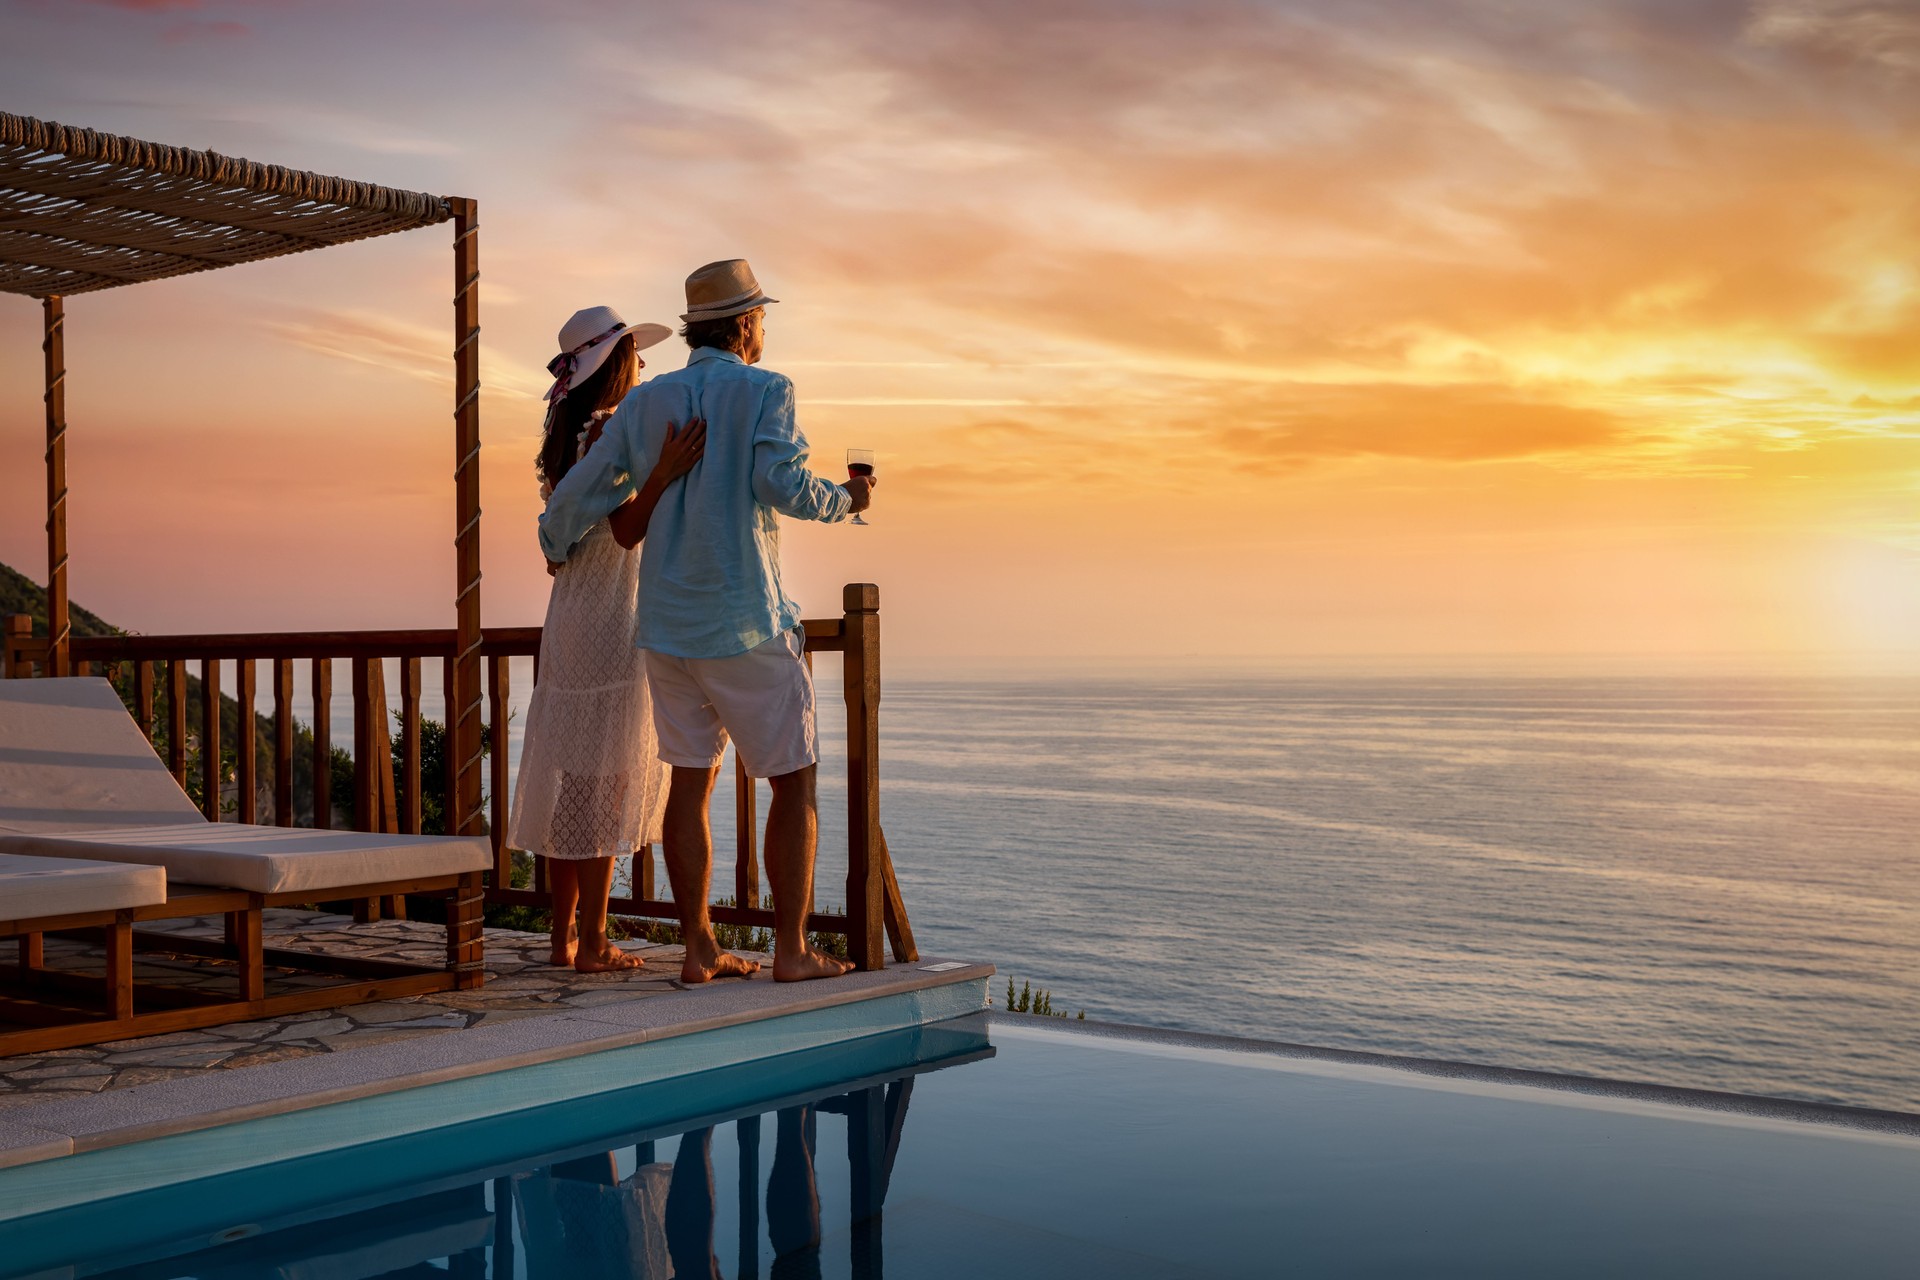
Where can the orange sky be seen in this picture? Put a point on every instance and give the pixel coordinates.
(1183, 329)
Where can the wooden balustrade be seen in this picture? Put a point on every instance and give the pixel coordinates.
(390, 800)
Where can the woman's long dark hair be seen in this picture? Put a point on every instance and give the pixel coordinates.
(604, 388)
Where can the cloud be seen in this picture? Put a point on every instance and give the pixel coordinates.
(410, 351)
(1878, 35)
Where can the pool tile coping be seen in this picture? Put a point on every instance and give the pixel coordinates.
(33, 1132)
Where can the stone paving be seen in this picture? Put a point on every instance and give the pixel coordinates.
(520, 984)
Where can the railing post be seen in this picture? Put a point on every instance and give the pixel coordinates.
(245, 780)
(143, 697)
(323, 743)
(497, 719)
(746, 831)
(210, 778)
(410, 744)
(283, 742)
(59, 630)
(865, 884)
(177, 720)
(16, 631)
(463, 717)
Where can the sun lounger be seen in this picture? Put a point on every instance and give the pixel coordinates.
(78, 780)
(41, 895)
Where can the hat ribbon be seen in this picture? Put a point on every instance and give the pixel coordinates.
(563, 365)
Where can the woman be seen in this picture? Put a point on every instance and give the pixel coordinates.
(591, 785)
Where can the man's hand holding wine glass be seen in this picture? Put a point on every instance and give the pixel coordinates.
(860, 480)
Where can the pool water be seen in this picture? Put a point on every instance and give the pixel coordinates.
(1011, 1148)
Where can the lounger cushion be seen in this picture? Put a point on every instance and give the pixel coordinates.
(71, 758)
(40, 888)
(265, 859)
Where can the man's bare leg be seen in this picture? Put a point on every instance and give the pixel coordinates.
(687, 844)
(793, 835)
(563, 882)
(596, 953)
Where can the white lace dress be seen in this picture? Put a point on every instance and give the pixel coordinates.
(591, 782)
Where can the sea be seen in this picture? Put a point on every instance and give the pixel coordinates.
(1708, 879)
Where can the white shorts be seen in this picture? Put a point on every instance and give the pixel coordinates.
(762, 698)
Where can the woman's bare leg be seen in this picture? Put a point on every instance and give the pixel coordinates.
(597, 954)
(563, 882)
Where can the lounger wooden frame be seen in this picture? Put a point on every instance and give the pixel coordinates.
(51, 1009)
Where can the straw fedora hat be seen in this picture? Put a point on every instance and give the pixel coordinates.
(588, 338)
(722, 289)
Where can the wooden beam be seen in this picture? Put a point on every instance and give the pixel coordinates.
(59, 626)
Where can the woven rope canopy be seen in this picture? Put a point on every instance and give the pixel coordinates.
(81, 211)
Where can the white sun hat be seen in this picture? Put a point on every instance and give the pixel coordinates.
(588, 338)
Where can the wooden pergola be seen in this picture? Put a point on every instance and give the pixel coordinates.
(82, 211)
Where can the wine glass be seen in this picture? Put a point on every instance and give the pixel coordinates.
(859, 463)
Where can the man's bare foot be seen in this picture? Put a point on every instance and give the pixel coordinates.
(809, 964)
(564, 951)
(611, 960)
(717, 964)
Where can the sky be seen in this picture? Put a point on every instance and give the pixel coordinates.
(1185, 331)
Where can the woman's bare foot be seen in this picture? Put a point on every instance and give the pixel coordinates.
(565, 950)
(611, 960)
(810, 963)
(705, 964)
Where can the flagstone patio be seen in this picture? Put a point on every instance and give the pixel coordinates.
(520, 984)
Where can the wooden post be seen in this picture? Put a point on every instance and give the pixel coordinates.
(243, 931)
(386, 808)
(120, 967)
(143, 697)
(323, 743)
(465, 942)
(16, 628)
(210, 738)
(865, 882)
(410, 744)
(498, 781)
(245, 780)
(59, 628)
(746, 832)
(463, 718)
(366, 787)
(177, 720)
(283, 742)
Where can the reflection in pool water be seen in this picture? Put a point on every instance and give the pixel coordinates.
(648, 1205)
(1068, 1154)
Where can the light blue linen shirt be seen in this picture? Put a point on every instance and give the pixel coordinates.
(710, 565)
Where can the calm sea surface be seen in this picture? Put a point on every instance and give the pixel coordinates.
(1712, 882)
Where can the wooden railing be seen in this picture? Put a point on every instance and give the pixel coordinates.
(156, 668)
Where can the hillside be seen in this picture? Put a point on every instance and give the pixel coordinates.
(21, 594)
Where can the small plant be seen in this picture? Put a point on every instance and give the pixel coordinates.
(1039, 1003)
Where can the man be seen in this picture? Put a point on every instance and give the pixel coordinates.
(723, 641)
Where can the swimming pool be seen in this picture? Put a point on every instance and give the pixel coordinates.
(1015, 1148)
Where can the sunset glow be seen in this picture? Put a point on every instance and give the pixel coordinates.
(1205, 329)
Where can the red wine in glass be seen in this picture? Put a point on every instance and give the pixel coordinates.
(860, 462)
